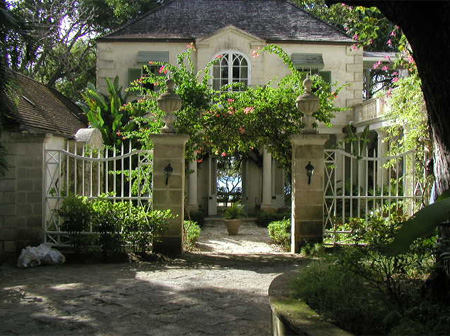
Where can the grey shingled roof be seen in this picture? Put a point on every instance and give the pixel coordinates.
(270, 20)
(43, 109)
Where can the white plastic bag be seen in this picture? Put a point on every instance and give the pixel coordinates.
(43, 254)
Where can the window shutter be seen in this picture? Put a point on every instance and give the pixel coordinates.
(143, 57)
(307, 61)
(133, 74)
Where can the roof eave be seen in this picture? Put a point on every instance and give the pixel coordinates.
(275, 41)
(145, 39)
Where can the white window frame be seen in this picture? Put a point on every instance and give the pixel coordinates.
(230, 78)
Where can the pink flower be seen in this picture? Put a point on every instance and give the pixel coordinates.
(389, 43)
(354, 47)
(395, 79)
(376, 65)
(151, 62)
(411, 59)
(248, 110)
(395, 73)
(385, 68)
(163, 69)
(356, 37)
(230, 100)
(219, 56)
(223, 154)
(393, 33)
(255, 53)
(389, 93)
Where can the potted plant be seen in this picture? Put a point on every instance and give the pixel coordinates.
(233, 217)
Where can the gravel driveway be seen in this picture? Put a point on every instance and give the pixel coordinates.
(218, 290)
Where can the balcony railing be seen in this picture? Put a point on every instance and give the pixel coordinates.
(371, 109)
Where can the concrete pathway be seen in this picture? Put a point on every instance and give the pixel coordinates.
(219, 290)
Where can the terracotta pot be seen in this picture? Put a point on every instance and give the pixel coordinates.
(233, 226)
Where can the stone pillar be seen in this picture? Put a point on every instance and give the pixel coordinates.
(168, 190)
(267, 181)
(307, 199)
(192, 192)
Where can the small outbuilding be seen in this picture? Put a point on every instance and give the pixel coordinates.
(42, 119)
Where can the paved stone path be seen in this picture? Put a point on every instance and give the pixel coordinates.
(214, 291)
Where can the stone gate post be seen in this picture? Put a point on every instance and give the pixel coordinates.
(168, 188)
(307, 192)
(169, 174)
(308, 165)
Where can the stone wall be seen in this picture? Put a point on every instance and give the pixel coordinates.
(21, 191)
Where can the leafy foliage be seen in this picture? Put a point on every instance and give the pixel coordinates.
(236, 210)
(105, 112)
(235, 120)
(191, 235)
(365, 291)
(57, 45)
(280, 232)
(76, 213)
(121, 225)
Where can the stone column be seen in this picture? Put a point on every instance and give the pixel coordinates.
(267, 181)
(192, 192)
(307, 198)
(168, 189)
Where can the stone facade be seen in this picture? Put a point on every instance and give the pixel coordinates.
(21, 191)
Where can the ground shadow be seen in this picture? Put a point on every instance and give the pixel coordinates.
(195, 294)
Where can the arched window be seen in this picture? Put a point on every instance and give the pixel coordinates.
(232, 67)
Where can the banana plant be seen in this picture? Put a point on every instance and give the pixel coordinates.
(104, 111)
(422, 224)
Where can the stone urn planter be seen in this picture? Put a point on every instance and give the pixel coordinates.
(233, 226)
(233, 217)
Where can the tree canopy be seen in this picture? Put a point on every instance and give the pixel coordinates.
(57, 45)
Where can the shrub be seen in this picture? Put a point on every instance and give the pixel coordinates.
(120, 225)
(75, 212)
(191, 235)
(264, 218)
(107, 219)
(343, 297)
(141, 228)
(280, 232)
(367, 291)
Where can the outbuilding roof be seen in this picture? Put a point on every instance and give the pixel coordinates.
(40, 108)
(270, 20)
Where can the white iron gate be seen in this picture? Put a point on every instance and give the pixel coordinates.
(122, 174)
(357, 186)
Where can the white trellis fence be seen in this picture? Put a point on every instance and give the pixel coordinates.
(119, 174)
(357, 186)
